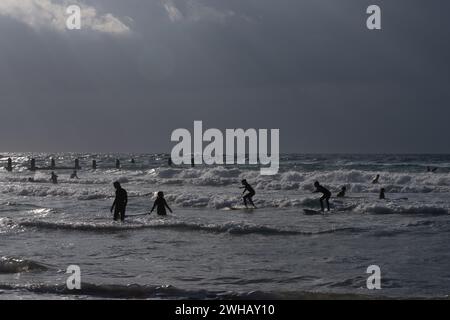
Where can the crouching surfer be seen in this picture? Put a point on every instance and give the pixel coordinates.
(326, 195)
(249, 196)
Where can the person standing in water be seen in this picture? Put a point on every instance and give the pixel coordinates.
(77, 164)
(161, 205)
(9, 165)
(326, 195)
(74, 175)
(54, 178)
(382, 195)
(251, 192)
(120, 202)
(33, 164)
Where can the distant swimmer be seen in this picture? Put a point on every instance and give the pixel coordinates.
(161, 205)
(133, 161)
(33, 164)
(52, 164)
(9, 165)
(382, 195)
(326, 194)
(94, 164)
(54, 178)
(77, 164)
(120, 202)
(375, 180)
(30, 179)
(117, 164)
(74, 175)
(341, 193)
(251, 192)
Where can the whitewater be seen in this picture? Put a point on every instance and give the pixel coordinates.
(210, 247)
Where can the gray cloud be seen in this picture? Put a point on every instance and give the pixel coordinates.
(310, 68)
(40, 14)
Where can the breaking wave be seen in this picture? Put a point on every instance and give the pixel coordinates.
(233, 228)
(134, 291)
(15, 265)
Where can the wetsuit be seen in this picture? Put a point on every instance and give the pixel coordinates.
(160, 204)
(120, 204)
(249, 195)
(326, 195)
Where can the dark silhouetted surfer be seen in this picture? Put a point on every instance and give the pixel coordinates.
(33, 164)
(382, 194)
(77, 164)
(54, 178)
(74, 175)
(9, 165)
(120, 202)
(161, 205)
(251, 192)
(342, 193)
(375, 180)
(326, 195)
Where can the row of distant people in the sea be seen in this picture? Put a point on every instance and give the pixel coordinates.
(33, 167)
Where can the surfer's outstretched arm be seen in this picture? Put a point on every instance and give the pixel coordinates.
(153, 208)
(113, 205)
(165, 203)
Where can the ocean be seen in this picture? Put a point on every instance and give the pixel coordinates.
(211, 247)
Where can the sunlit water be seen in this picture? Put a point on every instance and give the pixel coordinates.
(206, 250)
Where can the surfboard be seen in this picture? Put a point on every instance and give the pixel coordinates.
(310, 212)
(240, 208)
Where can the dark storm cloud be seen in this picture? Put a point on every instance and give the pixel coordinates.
(310, 68)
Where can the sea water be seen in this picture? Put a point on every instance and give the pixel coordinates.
(207, 249)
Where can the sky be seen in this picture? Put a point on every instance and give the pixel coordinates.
(139, 69)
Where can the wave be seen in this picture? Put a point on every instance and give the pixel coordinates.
(15, 265)
(135, 291)
(7, 225)
(233, 228)
(357, 180)
(393, 208)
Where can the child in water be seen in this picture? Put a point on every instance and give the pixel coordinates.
(161, 205)
(249, 195)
